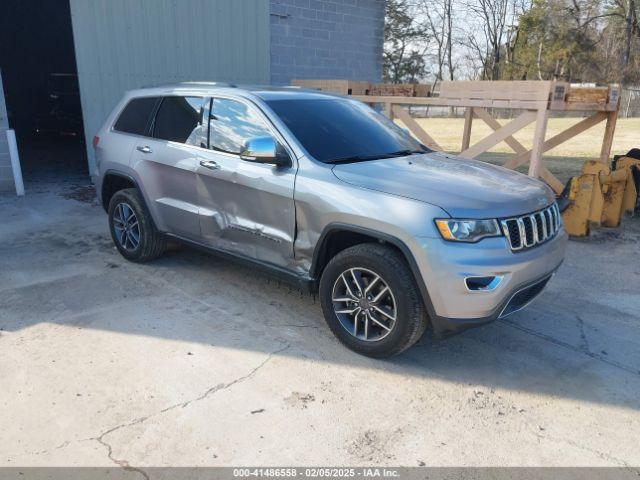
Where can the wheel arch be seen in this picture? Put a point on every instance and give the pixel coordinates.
(339, 236)
(112, 182)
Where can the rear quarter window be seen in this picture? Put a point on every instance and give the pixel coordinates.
(136, 116)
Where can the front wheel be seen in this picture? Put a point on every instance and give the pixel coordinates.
(370, 300)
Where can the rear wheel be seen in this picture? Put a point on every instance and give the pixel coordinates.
(132, 229)
(370, 300)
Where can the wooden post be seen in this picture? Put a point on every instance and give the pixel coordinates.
(537, 149)
(388, 110)
(466, 133)
(612, 118)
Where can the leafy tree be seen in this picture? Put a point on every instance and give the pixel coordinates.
(405, 42)
(557, 40)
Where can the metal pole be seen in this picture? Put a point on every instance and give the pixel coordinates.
(15, 162)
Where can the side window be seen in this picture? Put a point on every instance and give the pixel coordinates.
(136, 116)
(179, 119)
(232, 123)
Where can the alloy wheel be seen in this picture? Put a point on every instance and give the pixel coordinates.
(364, 304)
(126, 226)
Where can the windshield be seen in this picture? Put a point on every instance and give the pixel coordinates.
(340, 130)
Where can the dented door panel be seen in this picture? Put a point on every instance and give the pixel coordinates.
(247, 208)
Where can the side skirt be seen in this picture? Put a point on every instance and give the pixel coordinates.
(302, 282)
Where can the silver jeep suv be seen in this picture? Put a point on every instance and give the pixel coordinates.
(327, 193)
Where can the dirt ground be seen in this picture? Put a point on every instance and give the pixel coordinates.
(564, 161)
(192, 360)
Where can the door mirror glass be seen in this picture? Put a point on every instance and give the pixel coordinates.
(264, 149)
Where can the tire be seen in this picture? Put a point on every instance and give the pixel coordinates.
(148, 244)
(365, 261)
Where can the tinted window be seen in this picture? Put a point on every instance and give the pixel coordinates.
(136, 116)
(232, 124)
(334, 129)
(179, 120)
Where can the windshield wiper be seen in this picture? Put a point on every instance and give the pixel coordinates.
(403, 153)
(365, 158)
(356, 158)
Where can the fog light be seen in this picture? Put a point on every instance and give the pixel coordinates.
(482, 284)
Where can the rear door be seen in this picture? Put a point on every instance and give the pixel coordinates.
(166, 159)
(246, 207)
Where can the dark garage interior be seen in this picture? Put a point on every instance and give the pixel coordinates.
(38, 67)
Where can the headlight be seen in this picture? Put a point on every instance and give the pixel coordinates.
(467, 230)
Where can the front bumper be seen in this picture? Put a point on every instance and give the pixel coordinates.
(445, 265)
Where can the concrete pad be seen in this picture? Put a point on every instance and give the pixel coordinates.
(194, 361)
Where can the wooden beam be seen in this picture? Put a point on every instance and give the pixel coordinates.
(483, 115)
(497, 89)
(551, 180)
(609, 130)
(524, 119)
(453, 102)
(466, 133)
(560, 138)
(413, 126)
(535, 164)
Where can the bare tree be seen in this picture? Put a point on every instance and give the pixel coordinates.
(496, 20)
(492, 17)
(631, 28)
(437, 16)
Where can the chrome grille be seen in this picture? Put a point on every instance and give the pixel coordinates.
(528, 231)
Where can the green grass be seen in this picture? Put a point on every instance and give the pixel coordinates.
(564, 161)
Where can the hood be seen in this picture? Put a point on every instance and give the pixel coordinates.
(463, 188)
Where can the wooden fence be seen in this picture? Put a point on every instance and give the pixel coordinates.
(535, 99)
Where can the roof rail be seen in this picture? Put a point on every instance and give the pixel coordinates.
(191, 83)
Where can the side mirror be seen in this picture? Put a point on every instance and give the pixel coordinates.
(265, 150)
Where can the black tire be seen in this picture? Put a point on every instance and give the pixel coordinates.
(152, 243)
(411, 316)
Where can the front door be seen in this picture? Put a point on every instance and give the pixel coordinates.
(245, 208)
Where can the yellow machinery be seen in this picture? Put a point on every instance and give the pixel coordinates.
(600, 195)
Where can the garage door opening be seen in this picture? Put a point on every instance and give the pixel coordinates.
(38, 68)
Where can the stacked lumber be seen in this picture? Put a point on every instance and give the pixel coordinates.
(400, 89)
(341, 87)
(597, 95)
(567, 97)
(512, 94)
(350, 87)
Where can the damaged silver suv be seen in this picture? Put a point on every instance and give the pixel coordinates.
(327, 193)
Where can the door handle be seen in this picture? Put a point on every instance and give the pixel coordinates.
(145, 149)
(210, 164)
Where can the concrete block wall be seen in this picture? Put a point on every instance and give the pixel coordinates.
(6, 174)
(326, 39)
